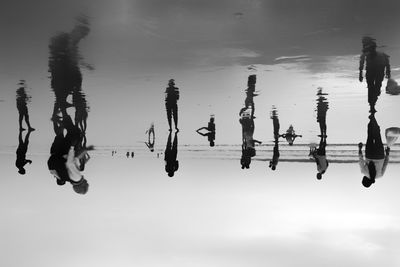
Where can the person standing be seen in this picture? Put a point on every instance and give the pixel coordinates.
(171, 103)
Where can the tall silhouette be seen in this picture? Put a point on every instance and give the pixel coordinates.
(210, 131)
(319, 153)
(170, 155)
(22, 149)
(68, 153)
(377, 65)
(376, 159)
(247, 121)
(151, 138)
(171, 103)
(275, 157)
(22, 100)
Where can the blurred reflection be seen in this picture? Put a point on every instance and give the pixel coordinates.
(151, 138)
(69, 152)
(319, 153)
(392, 87)
(170, 155)
(210, 131)
(290, 135)
(21, 152)
(377, 65)
(171, 105)
(376, 156)
(275, 157)
(22, 100)
(247, 121)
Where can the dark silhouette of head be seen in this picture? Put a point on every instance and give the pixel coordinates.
(81, 187)
(21, 170)
(171, 82)
(212, 143)
(212, 119)
(367, 182)
(291, 143)
(319, 176)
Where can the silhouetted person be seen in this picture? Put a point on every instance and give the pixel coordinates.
(290, 135)
(376, 157)
(319, 153)
(377, 64)
(275, 157)
(127, 154)
(22, 106)
(210, 131)
(171, 103)
(170, 155)
(64, 62)
(21, 152)
(132, 154)
(151, 138)
(247, 121)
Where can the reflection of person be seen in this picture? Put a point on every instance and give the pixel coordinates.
(290, 135)
(171, 105)
(21, 152)
(210, 131)
(151, 138)
(248, 142)
(275, 157)
(170, 155)
(377, 63)
(376, 157)
(22, 99)
(319, 155)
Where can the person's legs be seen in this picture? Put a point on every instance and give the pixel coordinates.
(372, 96)
(374, 148)
(169, 115)
(21, 117)
(175, 113)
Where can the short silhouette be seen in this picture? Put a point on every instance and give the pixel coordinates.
(319, 153)
(290, 135)
(275, 157)
(210, 131)
(171, 103)
(132, 154)
(170, 155)
(151, 138)
(376, 156)
(21, 152)
(22, 106)
(377, 65)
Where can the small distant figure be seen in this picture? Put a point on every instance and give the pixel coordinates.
(171, 103)
(376, 156)
(132, 154)
(151, 138)
(210, 131)
(290, 135)
(170, 155)
(377, 65)
(21, 152)
(22, 106)
(127, 154)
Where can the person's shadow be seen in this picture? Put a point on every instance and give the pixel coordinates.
(170, 155)
(22, 149)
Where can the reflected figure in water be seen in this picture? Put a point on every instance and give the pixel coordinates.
(376, 156)
(290, 135)
(21, 152)
(319, 153)
(171, 103)
(275, 157)
(22, 100)
(377, 65)
(69, 152)
(247, 121)
(151, 138)
(210, 131)
(170, 155)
